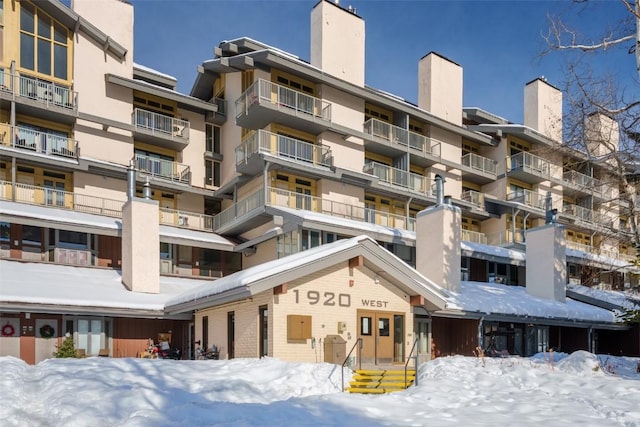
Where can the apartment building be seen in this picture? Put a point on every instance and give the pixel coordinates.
(269, 155)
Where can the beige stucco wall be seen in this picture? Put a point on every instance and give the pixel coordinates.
(140, 232)
(265, 251)
(331, 281)
(340, 192)
(337, 42)
(100, 186)
(193, 154)
(348, 153)
(190, 202)
(346, 110)
(543, 109)
(230, 134)
(440, 87)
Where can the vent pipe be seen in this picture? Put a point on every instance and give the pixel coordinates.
(131, 181)
(146, 189)
(439, 190)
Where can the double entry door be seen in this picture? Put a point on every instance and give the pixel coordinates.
(382, 335)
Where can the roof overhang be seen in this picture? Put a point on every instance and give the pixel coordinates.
(524, 132)
(184, 101)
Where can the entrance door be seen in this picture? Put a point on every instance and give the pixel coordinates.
(379, 330)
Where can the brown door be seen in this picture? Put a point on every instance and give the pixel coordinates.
(376, 329)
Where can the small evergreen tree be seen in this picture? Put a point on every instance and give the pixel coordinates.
(66, 349)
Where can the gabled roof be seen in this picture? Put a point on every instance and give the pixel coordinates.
(266, 276)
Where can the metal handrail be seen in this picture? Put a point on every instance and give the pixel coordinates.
(406, 364)
(358, 341)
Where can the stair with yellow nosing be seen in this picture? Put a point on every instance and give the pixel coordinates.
(380, 381)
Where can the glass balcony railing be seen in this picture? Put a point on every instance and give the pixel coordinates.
(587, 184)
(283, 147)
(480, 164)
(38, 141)
(160, 124)
(180, 218)
(474, 197)
(399, 178)
(165, 169)
(403, 137)
(281, 97)
(46, 93)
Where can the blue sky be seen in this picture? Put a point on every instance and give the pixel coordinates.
(496, 42)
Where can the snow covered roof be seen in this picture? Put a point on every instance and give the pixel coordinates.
(56, 288)
(496, 299)
(622, 300)
(153, 71)
(265, 276)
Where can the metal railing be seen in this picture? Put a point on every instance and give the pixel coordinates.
(588, 215)
(481, 164)
(52, 197)
(529, 163)
(474, 197)
(160, 124)
(579, 246)
(506, 237)
(358, 344)
(221, 104)
(404, 137)
(527, 197)
(473, 236)
(415, 363)
(293, 200)
(301, 104)
(47, 93)
(186, 219)
(36, 141)
(588, 184)
(284, 147)
(399, 178)
(165, 169)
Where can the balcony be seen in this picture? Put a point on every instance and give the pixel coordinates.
(585, 215)
(398, 140)
(528, 168)
(23, 193)
(473, 197)
(220, 116)
(33, 141)
(478, 169)
(399, 178)
(244, 209)
(185, 219)
(163, 169)
(576, 246)
(528, 198)
(507, 237)
(159, 129)
(265, 102)
(577, 184)
(304, 154)
(473, 236)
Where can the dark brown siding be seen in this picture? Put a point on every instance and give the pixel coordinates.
(478, 269)
(453, 336)
(109, 251)
(568, 340)
(131, 335)
(619, 343)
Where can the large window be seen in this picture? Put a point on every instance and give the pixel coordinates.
(212, 137)
(212, 173)
(44, 43)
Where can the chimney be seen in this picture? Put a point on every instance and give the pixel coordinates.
(337, 41)
(140, 241)
(602, 135)
(546, 275)
(438, 241)
(440, 87)
(543, 108)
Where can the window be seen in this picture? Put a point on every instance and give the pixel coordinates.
(31, 235)
(365, 326)
(5, 234)
(212, 172)
(212, 134)
(73, 239)
(264, 330)
(44, 43)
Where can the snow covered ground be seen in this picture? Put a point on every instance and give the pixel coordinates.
(577, 389)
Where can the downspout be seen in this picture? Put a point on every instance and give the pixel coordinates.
(524, 226)
(439, 190)
(590, 338)
(480, 334)
(265, 181)
(513, 222)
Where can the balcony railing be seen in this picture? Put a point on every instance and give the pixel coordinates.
(527, 197)
(474, 197)
(43, 196)
(529, 163)
(588, 215)
(293, 200)
(403, 137)
(480, 164)
(160, 124)
(576, 246)
(46, 93)
(283, 147)
(473, 236)
(587, 184)
(186, 219)
(165, 169)
(221, 104)
(399, 178)
(506, 237)
(281, 97)
(36, 141)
